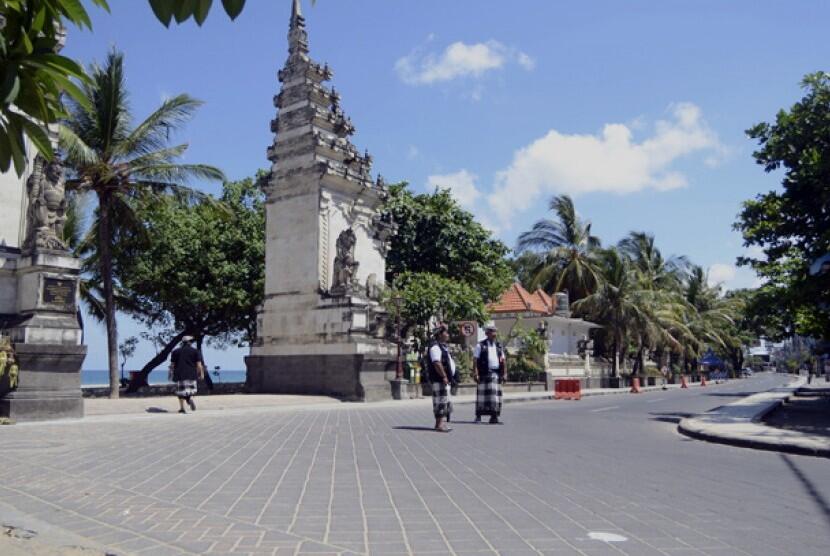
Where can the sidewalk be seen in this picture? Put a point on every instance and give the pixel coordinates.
(742, 423)
(131, 406)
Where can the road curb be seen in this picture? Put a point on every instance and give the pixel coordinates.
(541, 396)
(738, 424)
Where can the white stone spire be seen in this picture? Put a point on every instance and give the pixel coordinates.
(296, 12)
(297, 36)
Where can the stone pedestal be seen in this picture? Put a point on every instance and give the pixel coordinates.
(350, 377)
(38, 315)
(49, 383)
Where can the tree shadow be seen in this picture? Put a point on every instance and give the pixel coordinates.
(156, 410)
(817, 497)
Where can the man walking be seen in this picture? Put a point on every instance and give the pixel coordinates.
(441, 370)
(489, 373)
(186, 367)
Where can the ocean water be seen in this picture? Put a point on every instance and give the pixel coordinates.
(159, 376)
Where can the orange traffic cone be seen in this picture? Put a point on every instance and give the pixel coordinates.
(702, 380)
(683, 383)
(635, 385)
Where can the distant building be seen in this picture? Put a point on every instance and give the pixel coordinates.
(539, 311)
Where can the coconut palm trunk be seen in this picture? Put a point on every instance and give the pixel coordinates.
(105, 250)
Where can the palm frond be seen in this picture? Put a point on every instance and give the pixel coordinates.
(153, 133)
(169, 175)
(76, 151)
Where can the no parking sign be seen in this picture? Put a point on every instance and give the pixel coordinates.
(469, 330)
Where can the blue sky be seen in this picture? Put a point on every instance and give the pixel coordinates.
(637, 109)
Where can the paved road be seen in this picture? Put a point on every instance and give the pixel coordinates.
(558, 478)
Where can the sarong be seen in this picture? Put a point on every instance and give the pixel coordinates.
(488, 395)
(186, 388)
(441, 404)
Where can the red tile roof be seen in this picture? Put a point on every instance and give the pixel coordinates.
(518, 300)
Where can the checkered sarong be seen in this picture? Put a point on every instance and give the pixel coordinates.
(488, 395)
(186, 388)
(441, 404)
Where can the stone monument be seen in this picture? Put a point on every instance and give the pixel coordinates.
(38, 297)
(321, 329)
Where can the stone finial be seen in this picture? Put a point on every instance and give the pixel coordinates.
(297, 35)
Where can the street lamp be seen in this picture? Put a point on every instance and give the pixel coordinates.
(397, 300)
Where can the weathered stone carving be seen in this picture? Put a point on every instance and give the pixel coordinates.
(384, 227)
(47, 206)
(345, 265)
(7, 363)
(374, 287)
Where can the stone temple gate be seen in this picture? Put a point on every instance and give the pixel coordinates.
(321, 328)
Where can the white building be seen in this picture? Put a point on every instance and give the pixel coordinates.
(518, 308)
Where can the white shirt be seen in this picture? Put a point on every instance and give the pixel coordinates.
(435, 356)
(492, 355)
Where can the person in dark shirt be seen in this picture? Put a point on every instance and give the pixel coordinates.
(186, 367)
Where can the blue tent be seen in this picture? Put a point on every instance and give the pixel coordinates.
(712, 361)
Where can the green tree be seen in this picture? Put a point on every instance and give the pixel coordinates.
(659, 280)
(792, 226)
(424, 296)
(568, 248)
(655, 271)
(614, 302)
(441, 260)
(117, 161)
(35, 76)
(198, 269)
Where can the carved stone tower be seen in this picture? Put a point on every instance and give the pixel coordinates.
(321, 326)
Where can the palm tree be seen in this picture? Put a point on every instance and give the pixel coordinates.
(613, 302)
(655, 271)
(568, 248)
(116, 161)
(661, 280)
(712, 316)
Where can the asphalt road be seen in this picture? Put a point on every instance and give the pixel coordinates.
(604, 475)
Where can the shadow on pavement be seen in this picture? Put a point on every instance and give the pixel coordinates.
(732, 394)
(807, 414)
(156, 410)
(428, 429)
(809, 487)
(669, 417)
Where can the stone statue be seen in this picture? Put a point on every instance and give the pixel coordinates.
(7, 363)
(345, 265)
(47, 206)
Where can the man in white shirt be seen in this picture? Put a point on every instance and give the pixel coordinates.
(441, 371)
(489, 372)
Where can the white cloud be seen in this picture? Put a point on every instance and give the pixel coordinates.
(462, 184)
(526, 61)
(458, 60)
(611, 162)
(721, 273)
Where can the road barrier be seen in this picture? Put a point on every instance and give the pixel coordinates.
(635, 385)
(567, 389)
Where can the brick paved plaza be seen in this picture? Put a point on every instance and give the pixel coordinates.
(372, 479)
